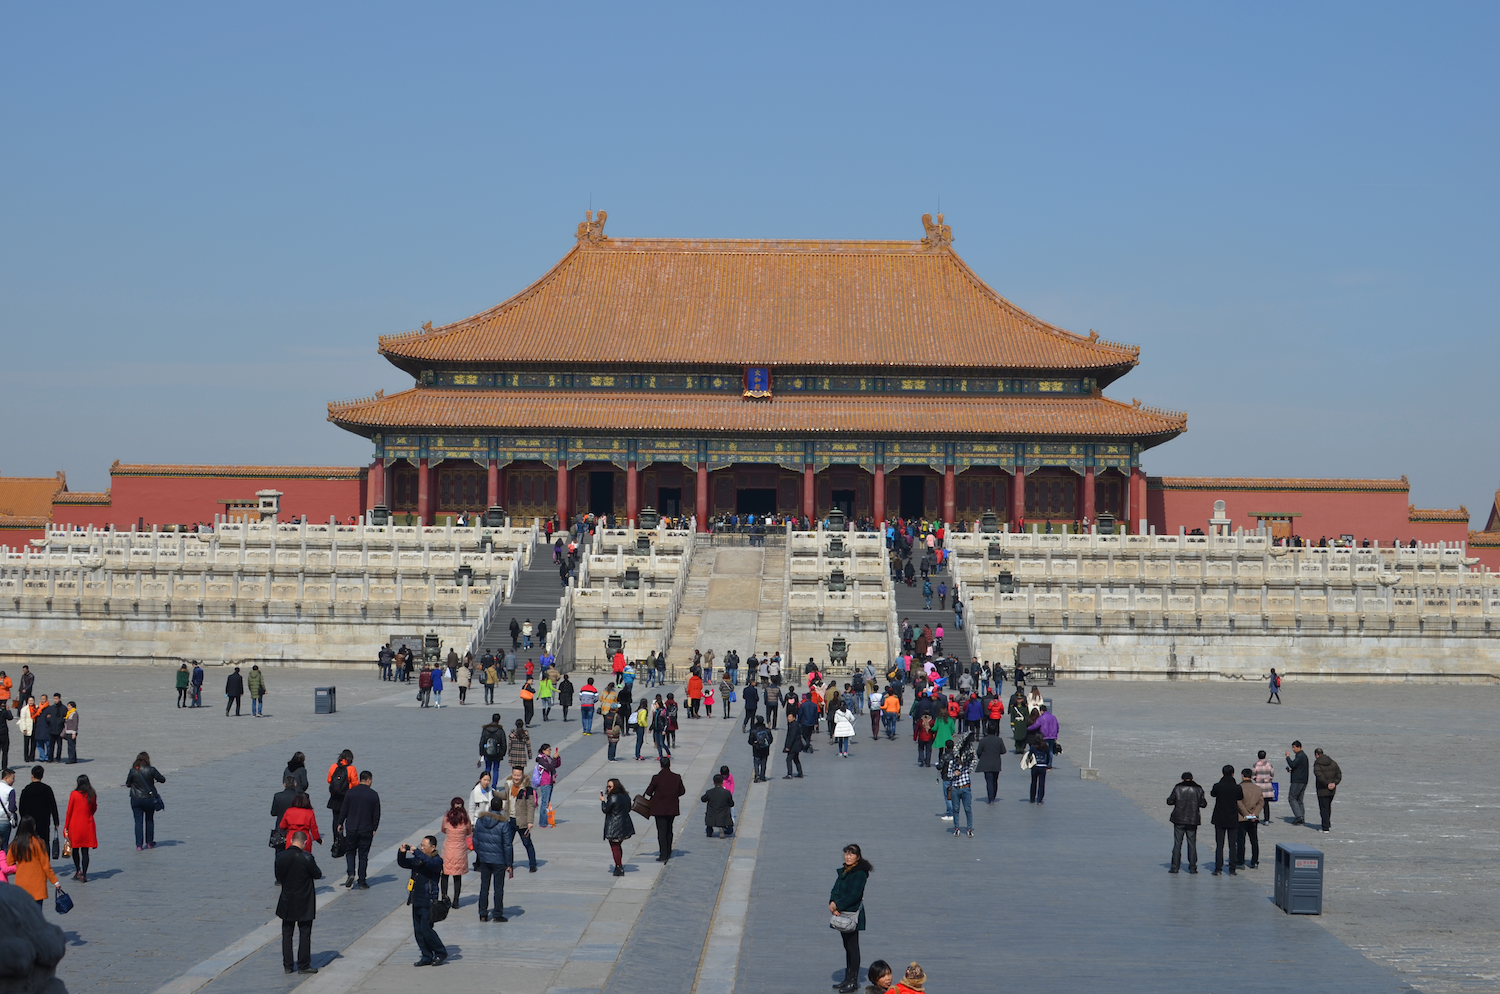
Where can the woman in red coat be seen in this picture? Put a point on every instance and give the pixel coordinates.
(694, 694)
(301, 817)
(78, 827)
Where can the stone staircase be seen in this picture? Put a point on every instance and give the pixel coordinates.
(690, 611)
(909, 604)
(538, 592)
(772, 602)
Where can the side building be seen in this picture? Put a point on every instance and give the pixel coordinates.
(714, 376)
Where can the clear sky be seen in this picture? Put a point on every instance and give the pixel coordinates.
(212, 210)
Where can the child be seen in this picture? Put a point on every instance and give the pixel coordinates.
(728, 778)
(880, 977)
(708, 700)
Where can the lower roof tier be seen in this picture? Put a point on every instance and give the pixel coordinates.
(424, 408)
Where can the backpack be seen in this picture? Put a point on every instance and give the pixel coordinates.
(340, 782)
(762, 738)
(953, 709)
(536, 775)
(492, 746)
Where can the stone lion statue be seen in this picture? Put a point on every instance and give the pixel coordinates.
(30, 948)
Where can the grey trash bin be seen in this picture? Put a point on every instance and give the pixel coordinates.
(325, 700)
(1299, 879)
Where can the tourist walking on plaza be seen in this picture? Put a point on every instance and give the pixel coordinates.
(1186, 800)
(523, 811)
(341, 776)
(959, 775)
(70, 731)
(296, 769)
(749, 705)
(426, 870)
(528, 700)
(79, 831)
(1250, 808)
(520, 746)
(792, 746)
(436, 676)
(494, 854)
(40, 805)
(257, 687)
(760, 741)
(1275, 687)
(663, 791)
(144, 800)
(4, 744)
(32, 864)
(183, 677)
(456, 829)
(197, 685)
(548, 763)
(10, 815)
(493, 743)
(1296, 786)
(1265, 779)
(1326, 776)
(847, 901)
(1038, 760)
(1226, 818)
(987, 761)
(360, 818)
(843, 728)
(57, 714)
(296, 871)
(614, 801)
(26, 725)
(301, 817)
(234, 689)
(588, 699)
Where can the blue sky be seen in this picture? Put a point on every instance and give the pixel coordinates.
(212, 210)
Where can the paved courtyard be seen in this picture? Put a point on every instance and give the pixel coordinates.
(1070, 896)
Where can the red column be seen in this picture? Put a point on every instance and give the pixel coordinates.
(1088, 494)
(809, 492)
(632, 493)
(1137, 497)
(880, 497)
(377, 482)
(948, 504)
(493, 486)
(703, 509)
(562, 495)
(1018, 499)
(424, 492)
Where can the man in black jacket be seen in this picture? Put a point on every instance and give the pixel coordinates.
(426, 868)
(296, 869)
(991, 748)
(40, 805)
(750, 703)
(663, 791)
(57, 716)
(234, 689)
(282, 799)
(1296, 766)
(360, 815)
(1186, 800)
(1226, 818)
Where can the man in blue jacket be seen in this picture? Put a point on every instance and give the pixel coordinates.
(807, 718)
(426, 868)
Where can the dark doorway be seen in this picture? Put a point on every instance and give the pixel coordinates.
(912, 505)
(602, 493)
(755, 500)
(671, 501)
(844, 501)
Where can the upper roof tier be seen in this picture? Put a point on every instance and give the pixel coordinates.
(773, 303)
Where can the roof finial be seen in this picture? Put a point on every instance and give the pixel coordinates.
(591, 228)
(939, 235)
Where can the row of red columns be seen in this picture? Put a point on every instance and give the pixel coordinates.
(1135, 494)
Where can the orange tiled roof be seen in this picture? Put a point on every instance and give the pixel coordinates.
(1272, 483)
(241, 472)
(1493, 524)
(1437, 514)
(761, 302)
(26, 522)
(1485, 539)
(30, 496)
(865, 414)
(81, 497)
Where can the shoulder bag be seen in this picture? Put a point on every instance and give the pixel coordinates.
(845, 921)
(440, 909)
(278, 838)
(641, 805)
(339, 847)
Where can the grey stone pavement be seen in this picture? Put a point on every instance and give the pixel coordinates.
(1074, 897)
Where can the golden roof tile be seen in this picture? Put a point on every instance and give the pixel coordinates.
(875, 414)
(761, 302)
(241, 472)
(1437, 514)
(30, 496)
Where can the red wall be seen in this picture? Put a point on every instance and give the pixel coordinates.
(165, 500)
(1439, 531)
(1379, 515)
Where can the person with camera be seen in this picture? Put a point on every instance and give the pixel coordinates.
(426, 868)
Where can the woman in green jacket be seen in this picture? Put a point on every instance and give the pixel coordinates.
(544, 693)
(182, 685)
(848, 897)
(257, 687)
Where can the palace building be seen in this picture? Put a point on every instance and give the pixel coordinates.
(715, 376)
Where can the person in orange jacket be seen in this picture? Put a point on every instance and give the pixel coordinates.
(694, 694)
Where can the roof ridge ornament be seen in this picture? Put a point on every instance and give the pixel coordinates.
(591, 228)
(939, 235)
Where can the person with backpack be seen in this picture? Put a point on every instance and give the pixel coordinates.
(492, 747)
(1275, 687)
(760, 740)
(341, 776)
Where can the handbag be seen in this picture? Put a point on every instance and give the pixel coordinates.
(56, 848)
(278, 838)
(1028, 760)
(1275, 790)
(845, 921)
(339, 847)
(551, 815)
(641, 805)
(62, 903)
(440, 909)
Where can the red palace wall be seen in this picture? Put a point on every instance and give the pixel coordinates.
(188, 494)
(1375, 509)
